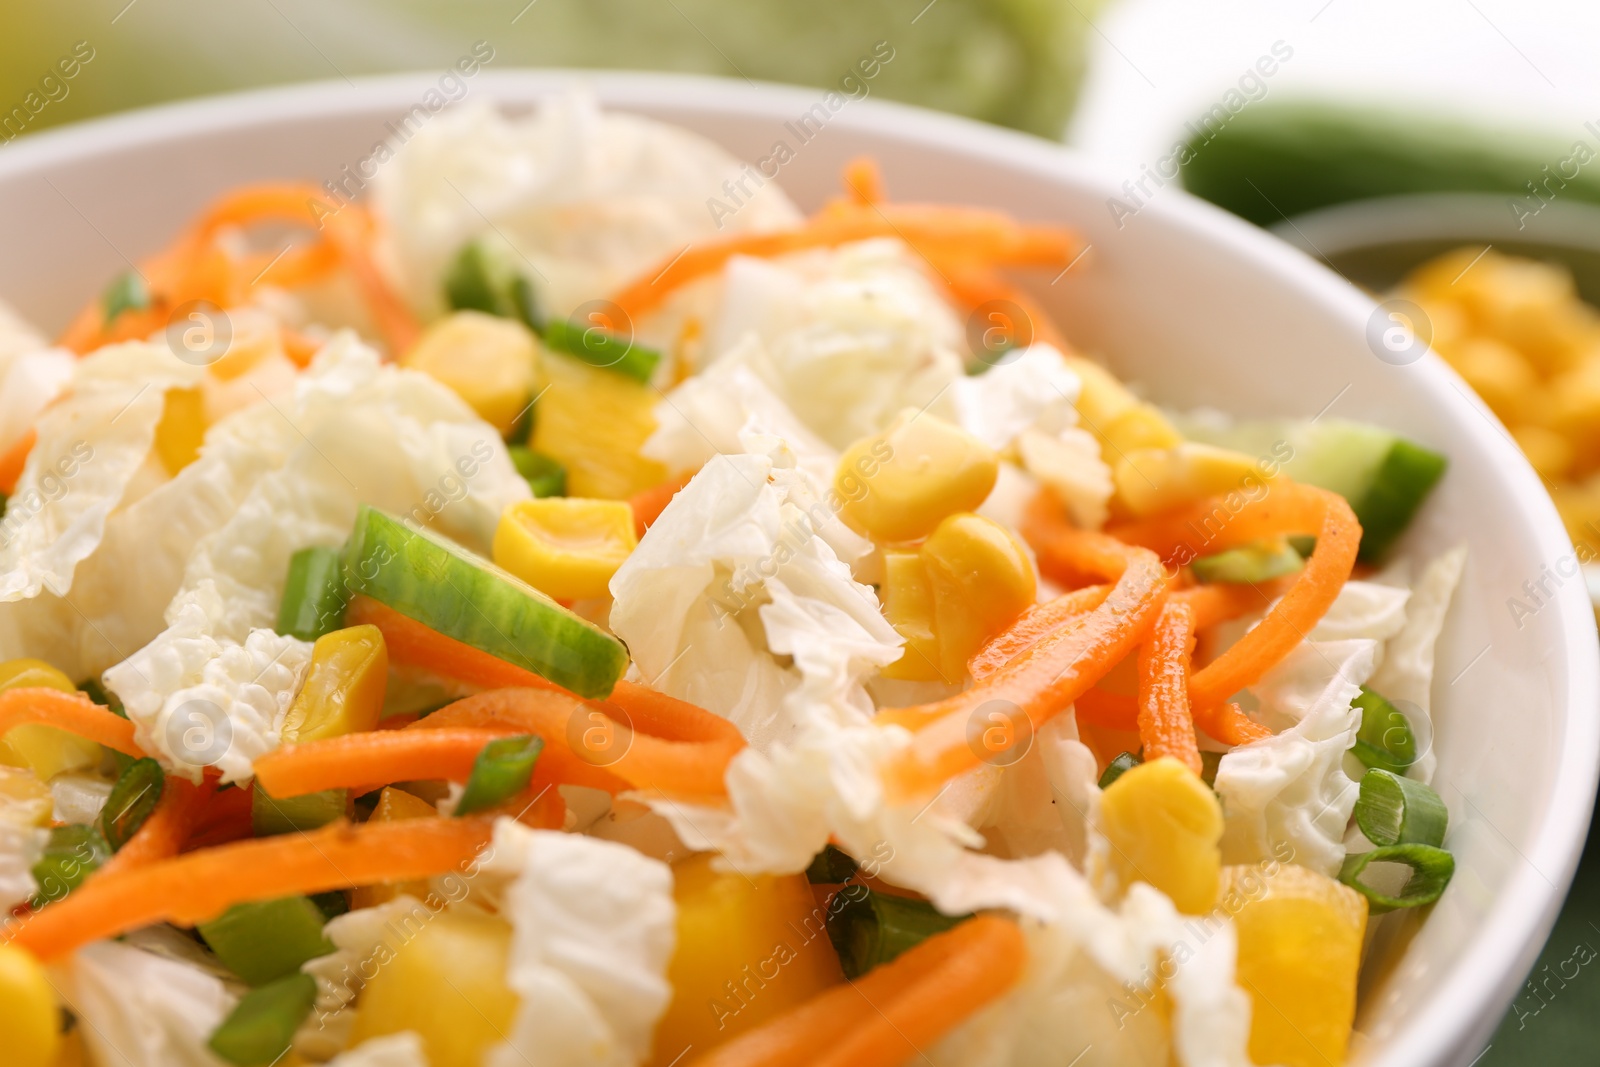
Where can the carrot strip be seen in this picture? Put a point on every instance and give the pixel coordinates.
(1034, 624)
(863, 181)
(1044, 680)
(1287, 508)
(227, 816)
(650, 503)
(15, 460)
(72, 712)
(1114, 711)
(1220, 603)
(191, 888)
(371, 759)
(974, 286)
(1165, 726)
(1229, 724)
(885, 1017)
(167, 830)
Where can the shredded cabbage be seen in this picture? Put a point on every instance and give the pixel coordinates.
(394, 1050)
(1406, 673)
(140, 1009)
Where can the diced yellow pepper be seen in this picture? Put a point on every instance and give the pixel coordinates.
(29, 1017)
(1165, 828)
(24, 799)
(1300, 936)
(484, 359)
(593, 422)
(448, 984)
(566, 547)
(898, 485)
(45, 749)
(182, 429)
(393, 806)
(908, 605)
(748, 949)
(343, 693)
(1152, 480)
(966, 583)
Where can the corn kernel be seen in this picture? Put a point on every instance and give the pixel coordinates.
(565, 546)
(1498, 373)
(45, 749)
(593, 422)
(29, 1018)
(393, 806)
(1101, 398)
(1165, 828)
(447, 983)
(1141, 426)
(485, 360)
(748, 949)
(981, 579)
(1300, 936)
(25, 800)
(1550, 453)
(344, 690)
(908, 605)
(1153, 480)
(182, 429)
(898, 485)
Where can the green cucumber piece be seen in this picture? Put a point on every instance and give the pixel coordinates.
(465, 597)
(270, 816)
(1384, 476)
(261, 1027)
(544, 476)
(314, 596)
(266, 939)
(1250, 563)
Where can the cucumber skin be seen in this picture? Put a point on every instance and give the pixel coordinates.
(1401, 483)
(446, 588)
(1250, 563)
(1278, 159)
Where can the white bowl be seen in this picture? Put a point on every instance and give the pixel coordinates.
(1199, 306)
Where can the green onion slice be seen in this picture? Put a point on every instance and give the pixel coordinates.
(314, 594)
(501, 771)
(270, 815)
(481, 278)
(831, 866)
(601, 348)
(264, 940)
(95, 691)
(1393, 810)
(1210, 763)
(545, 476)
(259, 1030)
(1431, 870)
(1385, 739)
(72, 854)
(1124, 763)
(131, 801)
(127, 292)
(868, 928)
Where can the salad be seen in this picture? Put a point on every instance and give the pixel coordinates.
(566, 606)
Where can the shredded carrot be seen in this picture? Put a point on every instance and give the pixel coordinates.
(72, 712)
(227, 816)
(863, 181)
(1287, 508)
(167, 830)
(1224, 601)
(198, 886)
(1114, 711)
(649, 504)
(885, 1017)
(15, 459)
(1228, 723)
(979, 286)
(370, 760)
(1165, 725)
(1034, 624)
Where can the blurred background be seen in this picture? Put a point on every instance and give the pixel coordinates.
(1442, 153)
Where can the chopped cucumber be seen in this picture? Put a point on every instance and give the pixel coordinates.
(260, 1029)
(544, 476)
(314, 595)
(1384, 476)
(469, 599)
(264, 940)
(1251, 563)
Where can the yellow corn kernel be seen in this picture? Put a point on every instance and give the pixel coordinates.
(566, 547)
(1498, 373)
(393, 806)
(45, 749)
(593, 422)
(1300, 936)
(182, 429)
(29, 1018)
(748, 949)
(1152, 480)
(448, 984)
(1550, 453)
(1101, 398)
(25, 800)
(484, 359)
(981, 580)
(1141, 426)
(1165, 828)
(908, 605)
(344, 690)
(898, 485)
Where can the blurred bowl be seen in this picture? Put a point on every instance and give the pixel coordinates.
(1198, 305)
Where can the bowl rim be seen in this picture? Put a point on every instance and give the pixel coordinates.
(1375, 222)
(1457, 1017)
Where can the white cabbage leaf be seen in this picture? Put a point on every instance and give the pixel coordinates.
(593, 927)
(1031, 388)
(1068, 462)
(393, 1050)
(740, 599)
(587, 199)
(21, 846)
(363, 940)
(28, 383)
(77, 797)
(140, 1009)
